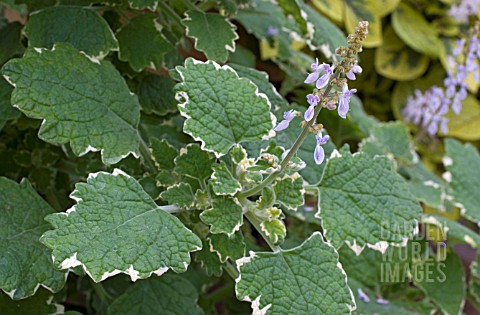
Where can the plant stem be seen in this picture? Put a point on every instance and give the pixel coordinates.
(170, 12)
(293, 150)
(102, 293)
(231, 270)
(146, 156)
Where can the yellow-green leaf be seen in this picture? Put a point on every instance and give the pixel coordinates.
(413, 29)
(364, 10)
(331, 8)
(465, 125)
(396, 61)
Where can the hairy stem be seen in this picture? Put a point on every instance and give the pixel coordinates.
(293, 149)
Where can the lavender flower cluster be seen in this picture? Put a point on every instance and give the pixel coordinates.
(427, 109)
(324, 77)
(463, 9)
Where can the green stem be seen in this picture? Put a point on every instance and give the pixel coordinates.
(102, 293)
(293, 150)
(170, 12)
(231, 270)
(52, 199)
(146, 156)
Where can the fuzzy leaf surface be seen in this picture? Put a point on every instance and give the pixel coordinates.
(83, 102)
(221, 109)
(223, 182)
(213, 34)
(25, 263)
(463, 163)
(116, 227)
(315, 280)
(169, 294)
(363, 201)
(83, 28)
(225, 216)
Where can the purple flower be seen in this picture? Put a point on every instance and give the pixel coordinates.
(344, 100)
(287, 118)
(382, 301)
(363, 296)
(322, 81)
(272, 31)
(313, 101)
(319, 154)
(428, 110)
(356, 69)
(459, 48)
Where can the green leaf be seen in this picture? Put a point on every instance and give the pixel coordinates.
(260, 79)
(452, 229)
(194, 162)
(358, 115)
(232, 247)
(411, 26)
(289, 191)
(463, 165)
(112, 213)
(267, 15)
(231, 6)
(213, 34)
(164, 154)
(84, 102)
(267, 199)
(170, 294)
(83, 28)
(221, 109)
(313, 281)
(448, 273)
(142, 44)
(396, 61)
(275, 230)
(474, 282)
(25, 263)
(293, 9)
(10, 41)
(391, 139)
(180, 195)
(225, 216)
(426, 186)
(223, 182)
(143, 4)
(326, 36)
(330, 8)
(39, 304)
(155, 94)
(209, 260)
(354, 193)
(7, 111)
